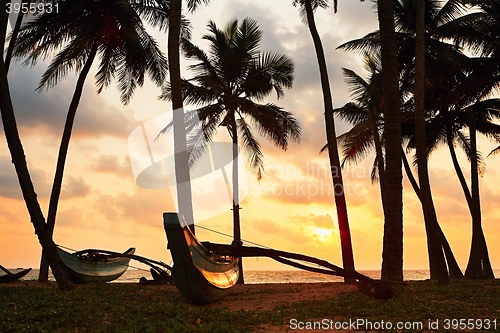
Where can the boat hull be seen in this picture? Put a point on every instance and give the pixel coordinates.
(86, 270)
(201, 276)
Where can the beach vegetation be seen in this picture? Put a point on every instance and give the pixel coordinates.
(135, 308)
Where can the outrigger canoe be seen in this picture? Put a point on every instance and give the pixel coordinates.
(93, 266)
(7, 276)
(204, 272)
(200, 275)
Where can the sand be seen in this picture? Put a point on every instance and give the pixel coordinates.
(249, 296)
(245, 297)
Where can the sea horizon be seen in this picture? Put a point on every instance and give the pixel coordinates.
(270, 276)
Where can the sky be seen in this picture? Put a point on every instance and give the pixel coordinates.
(291, 208)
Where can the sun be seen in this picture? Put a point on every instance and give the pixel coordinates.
(322, 233)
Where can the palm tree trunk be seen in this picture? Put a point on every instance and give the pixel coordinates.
(379, 154)
(458, 169)
(487, 270)
(392, 252)
(479, 265)
(410, 176)
(453, 268)
(182, 175)
(437, 261)
(338, 186)
(13, 38)
(236, 196)
(61, 160)
(19, 161)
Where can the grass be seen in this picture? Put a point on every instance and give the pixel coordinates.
(135, 308)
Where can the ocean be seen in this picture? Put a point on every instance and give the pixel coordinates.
(256, 277)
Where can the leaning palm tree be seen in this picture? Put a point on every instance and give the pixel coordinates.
(19, 161)
(184, 197)
(307, 8)
(82, 31)
(229, 82)
(437, 261)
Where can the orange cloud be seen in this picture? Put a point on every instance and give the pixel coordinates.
(111, 164)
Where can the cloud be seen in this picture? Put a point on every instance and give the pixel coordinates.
(320, 221)
(142, 207)
(290, 233)
(9, 183)
(74, 188)
(309, 181)
(47, 110)
(111, 164)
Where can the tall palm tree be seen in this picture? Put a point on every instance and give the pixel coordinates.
(182, 176)
(19, 161)
(392, 251)
(184, 197)
(307, 8)
(82, 31)
(437, 261)
(228, 83)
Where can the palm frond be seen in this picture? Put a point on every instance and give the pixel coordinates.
(271, 71)
(356, 143)
(352, 113)
(194, 4)
(106, 70)
(251, 146)
(314, 5)
(464, 142)
(155, 12)
(277, 125)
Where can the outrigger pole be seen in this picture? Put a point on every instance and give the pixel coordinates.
(382, 290)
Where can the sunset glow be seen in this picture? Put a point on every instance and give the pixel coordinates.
(291, 208)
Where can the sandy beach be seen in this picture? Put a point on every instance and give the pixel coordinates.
(242, 297)
(422, 302)
(248, 297)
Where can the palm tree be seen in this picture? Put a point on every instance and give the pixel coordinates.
(437, 261)
(19, 161)
(180, 147)
(439, 55)
(307, 8)
(184, 197)
(392, 251)
(228, 83)
(365, 115)
(82, 31)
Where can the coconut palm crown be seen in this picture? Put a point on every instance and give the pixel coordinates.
(229, 82)
(109, 29)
